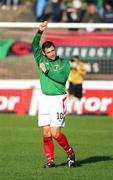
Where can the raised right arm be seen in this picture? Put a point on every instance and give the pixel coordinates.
(37, 51)
(36, 41)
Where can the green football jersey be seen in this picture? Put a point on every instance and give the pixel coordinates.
(58, 70)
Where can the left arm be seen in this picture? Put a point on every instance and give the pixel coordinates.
(60, 76)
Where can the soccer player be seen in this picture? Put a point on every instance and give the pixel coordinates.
(54, 73)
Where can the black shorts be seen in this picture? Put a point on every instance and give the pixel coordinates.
(75, 89)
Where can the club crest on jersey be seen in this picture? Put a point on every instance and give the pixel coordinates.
(56, 67)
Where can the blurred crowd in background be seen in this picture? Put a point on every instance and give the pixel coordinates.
(66, 10)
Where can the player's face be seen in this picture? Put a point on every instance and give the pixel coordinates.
(75, 60)
(50, 53)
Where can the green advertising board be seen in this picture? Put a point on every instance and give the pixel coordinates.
(4, 47)
(87, 52)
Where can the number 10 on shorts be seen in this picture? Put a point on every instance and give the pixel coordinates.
(60, 116)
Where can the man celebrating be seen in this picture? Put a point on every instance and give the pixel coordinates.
(54, 73)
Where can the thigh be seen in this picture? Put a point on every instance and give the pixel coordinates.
(58, 111)
(44, 111)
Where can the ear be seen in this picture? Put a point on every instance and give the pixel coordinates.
(43, 53)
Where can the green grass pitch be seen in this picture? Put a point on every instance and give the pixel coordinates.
(22, 156)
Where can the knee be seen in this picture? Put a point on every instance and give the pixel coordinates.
(46, 131)
(46, 134)
(55, 135)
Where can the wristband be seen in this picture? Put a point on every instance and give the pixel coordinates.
(46, 72)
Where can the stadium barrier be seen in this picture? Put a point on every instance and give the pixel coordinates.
(27, 25)
(22, 97)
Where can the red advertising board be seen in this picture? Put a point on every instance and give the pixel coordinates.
(81, 38)
(94, 102)
(17, 101)
(21, 101)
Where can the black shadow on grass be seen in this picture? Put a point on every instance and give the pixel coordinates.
(93, 159)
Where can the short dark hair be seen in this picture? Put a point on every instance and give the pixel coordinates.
(76, 56)
(47, 44)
